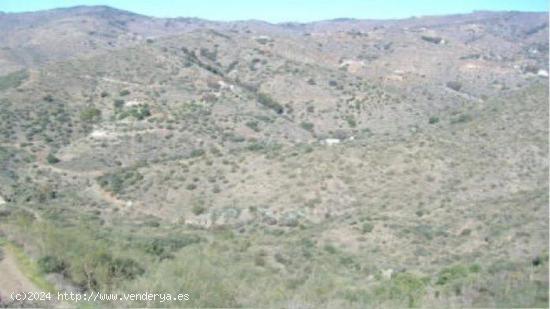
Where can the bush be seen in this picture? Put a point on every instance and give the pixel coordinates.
(455, 272)
(253, 125)
(198, 210)
(267, 101)
(90, 114)
(233, 137)
(456, 86)
(12, 80)
(83, 258)
(51, 264)
(204, 275)
(405, 288)
(99, 270)
(351, 121)
(433, 120)
(164, 247)
(461, 119)
(196, 153)
(210, 55)
(432, 39)
(308, 126)
(118, 103)
(330, 249)
(119, 180)
(530, 69)
(125, 268)
(367, 227)
(124, 93)
(139, 112)
(52, 159)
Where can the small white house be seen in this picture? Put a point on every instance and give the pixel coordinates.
(542, 73)
(331, 141)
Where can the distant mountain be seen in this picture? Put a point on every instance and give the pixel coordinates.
(28, 39)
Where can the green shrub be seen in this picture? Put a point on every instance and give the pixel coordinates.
(308, 126)
(140, 112)
(253, 125)
(90, 114)
(255, 146)
(197, 153)
(124, 92)
(263, 147)
(233, 137)
(164, 247)
(269, 102)
(52, 159)
(118, 103)
(198, 209)
(456, 272)
(83, 257)
(203, 275)
(433, 120)
(13, 80)
(211, 55)
(405, 288)
(119, 180)
(330, 249)
(125, 268)
(456, 86)
(432, 39)
(96, 269)
(367, 227)
(351, 121)
(51, 264)
(462, 118)
(259, 259)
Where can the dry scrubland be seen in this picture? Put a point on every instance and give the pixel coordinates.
(339, 163)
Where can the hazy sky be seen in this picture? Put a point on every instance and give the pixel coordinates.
(287, 10)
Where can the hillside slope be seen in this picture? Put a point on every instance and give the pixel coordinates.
(338, 163)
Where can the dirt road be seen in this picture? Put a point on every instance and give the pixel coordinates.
(12, 280)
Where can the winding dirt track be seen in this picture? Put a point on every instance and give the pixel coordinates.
(12, 280)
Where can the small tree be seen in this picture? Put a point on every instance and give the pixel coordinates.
(52, 159)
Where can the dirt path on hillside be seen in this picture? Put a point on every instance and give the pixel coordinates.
(11, 278)
(95, 188)
(107, 196)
